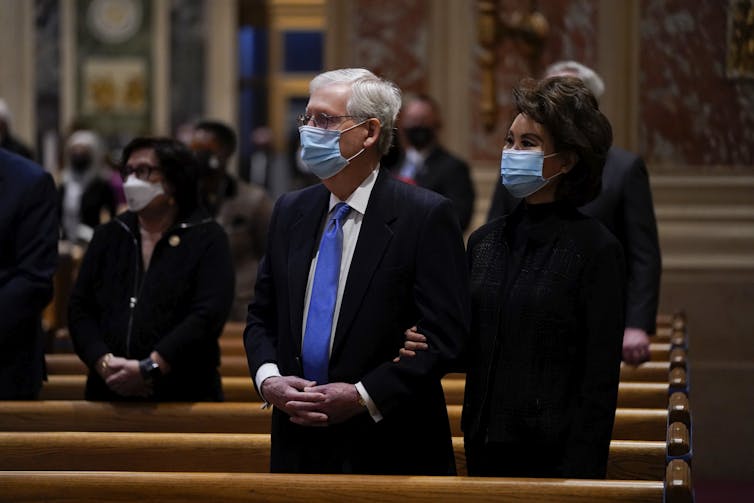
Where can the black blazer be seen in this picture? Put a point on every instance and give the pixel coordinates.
(625, 207)
(28, 258)
(408, 267)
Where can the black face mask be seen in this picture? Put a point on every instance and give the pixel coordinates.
(81, 163)
(420, 136)
(209, 164)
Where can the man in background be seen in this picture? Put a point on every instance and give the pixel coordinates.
(625, 207)
(242, 209)
(428, 164)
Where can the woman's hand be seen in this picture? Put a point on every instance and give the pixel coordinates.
(414, 342)
(125, 378)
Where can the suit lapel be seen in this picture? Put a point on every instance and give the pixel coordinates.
(374, 237)
(304, 231)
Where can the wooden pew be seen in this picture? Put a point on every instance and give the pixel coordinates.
(70, 364)
(233, 346)
(84, 487)
(229, 452)
(241, 389)
(229, 417)
(645, 395)
(236, 366)
(679, 442)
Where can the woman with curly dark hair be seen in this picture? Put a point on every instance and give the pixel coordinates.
(155, 286)
(547, 285)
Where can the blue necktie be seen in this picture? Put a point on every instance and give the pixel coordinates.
(316, 351)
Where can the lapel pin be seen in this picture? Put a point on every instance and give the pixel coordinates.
(174, 240)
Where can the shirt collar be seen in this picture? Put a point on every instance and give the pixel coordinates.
(416, 157)
(359, 198)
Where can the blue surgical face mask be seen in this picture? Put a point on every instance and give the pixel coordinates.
(320, 150)
(521, 171)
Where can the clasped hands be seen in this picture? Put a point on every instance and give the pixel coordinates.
(309, 404)
(123, 376)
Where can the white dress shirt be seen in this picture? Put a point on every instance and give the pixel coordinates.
(358, 201)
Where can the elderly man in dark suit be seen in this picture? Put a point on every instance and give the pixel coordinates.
(28, 258)
(424, 162)
(350, 264)
(625, 207)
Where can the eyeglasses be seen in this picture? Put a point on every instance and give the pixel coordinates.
(322, 120)
(142, 171)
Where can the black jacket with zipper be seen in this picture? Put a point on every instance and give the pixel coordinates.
(177, 307)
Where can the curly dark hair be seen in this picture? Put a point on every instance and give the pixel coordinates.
(179, 167)
(570, 113)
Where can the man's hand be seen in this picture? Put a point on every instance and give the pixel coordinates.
(125, 378)
(414, 342)
(340, 403)
(293, 395)
(635, 346)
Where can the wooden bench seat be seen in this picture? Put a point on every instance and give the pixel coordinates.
(70, 364)
(233, 346)
(236, 366)
(240, 389)
(83, 487)
(647, 395)
(229, 417)
(229, 452)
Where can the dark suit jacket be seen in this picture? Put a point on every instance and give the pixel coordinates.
(28, 258)
(408, 267)
(625, 207)
(446, 174)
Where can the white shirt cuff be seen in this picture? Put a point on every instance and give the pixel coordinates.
(371, 406)
(266, 371)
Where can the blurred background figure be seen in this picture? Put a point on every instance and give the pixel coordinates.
(28, 257)
(243, 209)
(427, 163)
(7, 140)
(87, 198)
(266, 167)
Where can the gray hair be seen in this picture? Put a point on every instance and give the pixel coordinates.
(589, 77)
(371, 96)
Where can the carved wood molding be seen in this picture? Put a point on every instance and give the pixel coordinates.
(528, 29)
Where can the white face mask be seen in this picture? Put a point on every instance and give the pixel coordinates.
(139, 193)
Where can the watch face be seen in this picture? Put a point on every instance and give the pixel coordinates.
(114, 21)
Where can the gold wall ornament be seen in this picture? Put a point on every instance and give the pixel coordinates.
(529, 29)
(740, 57)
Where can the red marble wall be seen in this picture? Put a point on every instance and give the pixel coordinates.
(571, 35)
(690, 113)
(390, 38)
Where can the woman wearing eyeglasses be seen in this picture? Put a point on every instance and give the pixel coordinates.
(547, 291)
(155, 286)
